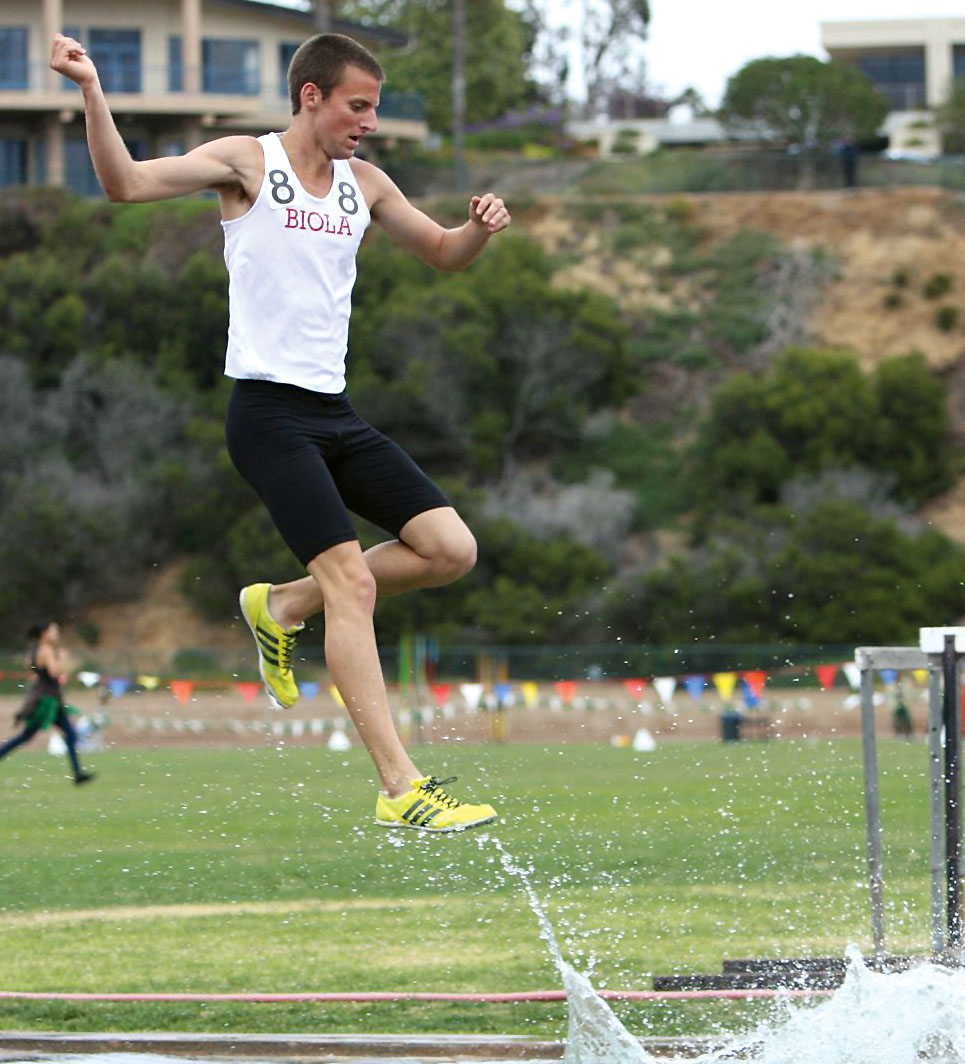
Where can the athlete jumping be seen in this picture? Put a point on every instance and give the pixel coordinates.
(294, 207)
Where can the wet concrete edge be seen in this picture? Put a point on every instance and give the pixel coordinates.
(21, 1045)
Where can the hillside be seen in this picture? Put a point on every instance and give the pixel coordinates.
(707, 286)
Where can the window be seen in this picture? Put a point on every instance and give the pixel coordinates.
(175, 65)
(958, 61)
(117, 56)
(13, 162)
(285, 53)
(13, 57)
(900, 76)
(230, 67)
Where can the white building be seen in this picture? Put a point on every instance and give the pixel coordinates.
(914, 63)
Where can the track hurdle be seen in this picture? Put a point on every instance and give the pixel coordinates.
(940, 651)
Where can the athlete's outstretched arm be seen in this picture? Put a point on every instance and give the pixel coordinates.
(444, 249)
(210, 166)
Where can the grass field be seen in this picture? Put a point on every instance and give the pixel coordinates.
(227, 870)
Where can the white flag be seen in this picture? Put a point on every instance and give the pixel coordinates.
(472, 693)
(665, 687)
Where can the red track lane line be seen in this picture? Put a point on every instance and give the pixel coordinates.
(373, 996)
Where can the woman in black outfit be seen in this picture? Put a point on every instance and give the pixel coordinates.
(45, 704)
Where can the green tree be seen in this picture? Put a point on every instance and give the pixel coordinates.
(835, 574)
(950, 119)
(498, 44)
(815, 410)
(806, 102)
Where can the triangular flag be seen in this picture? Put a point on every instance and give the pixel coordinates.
(309, 688)
(920, 676)
(440, 692)
(336, 695)
(665, 687)
(181, 689)
(472, 693)
(888, 676)
(148, 682)
(826, 675)
(695, 686)
(248, 691)
(725, 682)
(566, 689)
(635, 687)
(530, 692)
(504, 693)
(755, 680)
(853, 675)
(89, 679)
(117, 685)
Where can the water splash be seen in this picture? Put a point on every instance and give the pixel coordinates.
(594, 1035)
(874, 1018)
(899, 1018)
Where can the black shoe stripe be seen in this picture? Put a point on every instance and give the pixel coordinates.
(270, 658)
(425, 820)
(414, 808)
(264, 635)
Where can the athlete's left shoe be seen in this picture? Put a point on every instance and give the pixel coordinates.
(427, 807)
(275, 645)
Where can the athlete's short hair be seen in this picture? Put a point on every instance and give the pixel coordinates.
(321, 61)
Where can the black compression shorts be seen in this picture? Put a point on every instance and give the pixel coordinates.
(311, 458)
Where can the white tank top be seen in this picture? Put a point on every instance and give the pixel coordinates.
(291, 269)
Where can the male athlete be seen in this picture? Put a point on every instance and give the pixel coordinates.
(294, 207)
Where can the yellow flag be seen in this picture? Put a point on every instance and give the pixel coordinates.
(920, 675)
(530, 692)
(725, 682)
(148, 682)
(336, 695)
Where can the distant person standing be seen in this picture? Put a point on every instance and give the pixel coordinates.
(45, 703)
(848, 153)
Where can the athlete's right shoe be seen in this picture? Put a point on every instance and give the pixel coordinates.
(275, 645)
(427, 807)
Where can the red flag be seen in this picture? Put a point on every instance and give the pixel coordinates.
(181, 689)
(635, 688)
(566, 689)
(248, 691)
(826, 675)
(755, 680)
(440, 692)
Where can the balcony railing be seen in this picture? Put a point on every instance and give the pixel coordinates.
(138, 79)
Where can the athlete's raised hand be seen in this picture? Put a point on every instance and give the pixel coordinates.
(489, 211)
(70, 58)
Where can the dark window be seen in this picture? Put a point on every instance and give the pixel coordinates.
(958, 60)
(285, 53)
(117, 56)
(13, 57)
(900, 76)
(230, 67)
(13, 162)
(175, 65)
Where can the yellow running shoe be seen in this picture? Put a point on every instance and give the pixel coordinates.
(275, 645)
(427, 807)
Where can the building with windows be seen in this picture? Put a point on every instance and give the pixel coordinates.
(914, 62)
(176, 73)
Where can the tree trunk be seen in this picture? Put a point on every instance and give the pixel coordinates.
(324, 15)
(459, 94)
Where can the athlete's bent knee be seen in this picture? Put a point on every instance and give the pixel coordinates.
(457, 556)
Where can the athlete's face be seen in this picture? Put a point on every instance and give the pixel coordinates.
(349, 113)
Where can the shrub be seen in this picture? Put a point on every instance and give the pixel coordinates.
(893, 300)
(946, 318)
(937, 285)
